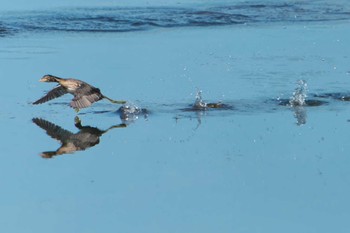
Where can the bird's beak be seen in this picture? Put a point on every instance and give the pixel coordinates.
(41, 80)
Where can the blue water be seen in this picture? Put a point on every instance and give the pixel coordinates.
(121, 19)
(241, 117)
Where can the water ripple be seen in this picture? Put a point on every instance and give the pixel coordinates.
(115, 19)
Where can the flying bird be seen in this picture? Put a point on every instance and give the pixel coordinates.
(84, 93)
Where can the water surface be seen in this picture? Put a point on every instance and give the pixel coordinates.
(253, 165)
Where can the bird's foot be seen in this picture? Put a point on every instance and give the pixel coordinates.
(118, 101)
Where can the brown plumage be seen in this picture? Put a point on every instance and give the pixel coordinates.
(84, 94)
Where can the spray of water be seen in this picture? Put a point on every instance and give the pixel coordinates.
(299, 94)
(130, 111)
(199, 103)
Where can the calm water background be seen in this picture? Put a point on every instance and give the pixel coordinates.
(255, 167)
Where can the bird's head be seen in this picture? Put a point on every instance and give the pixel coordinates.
(48, 78)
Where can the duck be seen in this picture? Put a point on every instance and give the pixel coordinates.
(84, 94)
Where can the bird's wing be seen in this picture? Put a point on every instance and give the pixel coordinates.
(54, 93)
(86, 99)
(53, 130)
(80, 102)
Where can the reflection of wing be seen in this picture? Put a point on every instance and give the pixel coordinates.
(85, 139)
(53, 130)
(54, 93)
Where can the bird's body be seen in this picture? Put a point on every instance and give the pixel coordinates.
(84, 94)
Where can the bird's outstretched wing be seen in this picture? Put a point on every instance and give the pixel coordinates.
(54, 93)
(84, 101)
(89, 96)
(53, 130)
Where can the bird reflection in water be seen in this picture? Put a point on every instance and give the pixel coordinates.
(85, 138)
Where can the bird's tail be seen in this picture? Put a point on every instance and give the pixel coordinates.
(115, 101)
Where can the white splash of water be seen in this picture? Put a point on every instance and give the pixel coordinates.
(299, 94)
(129, 111)
(199, 103)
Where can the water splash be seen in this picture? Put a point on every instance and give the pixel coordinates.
(299, 94)
(131, 112)
(199, 103)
